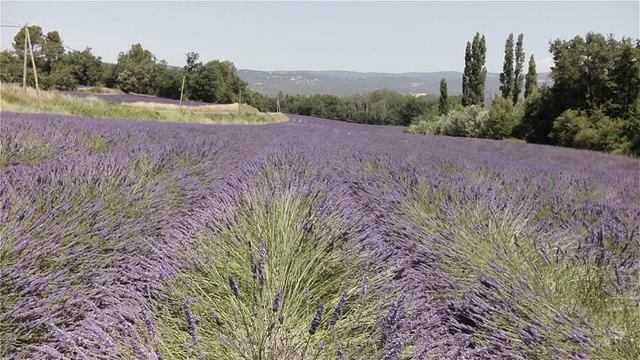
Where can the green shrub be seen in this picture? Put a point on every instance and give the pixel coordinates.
(567, 126)
(501, 119)
(422, 127)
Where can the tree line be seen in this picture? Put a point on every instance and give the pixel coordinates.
(137, 70)
(593, 103)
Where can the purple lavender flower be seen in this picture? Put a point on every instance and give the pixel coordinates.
(317, 319)
(338, 310)
(263, 261)
(216, 317)
(276, 302)
(234, 286)
(192, 328)
(363, 288)
(254, 268)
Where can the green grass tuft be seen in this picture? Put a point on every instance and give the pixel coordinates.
(296, 259)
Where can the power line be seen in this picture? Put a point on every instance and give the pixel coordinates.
(69, 48)
(10, 22)
(12, 26)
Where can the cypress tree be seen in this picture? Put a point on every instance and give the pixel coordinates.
(532, 78)
(444, 98)
(517, 76)
(466, 76)
(506, 77)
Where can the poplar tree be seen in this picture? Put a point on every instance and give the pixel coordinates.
(506, 77)
(532, 78)
(478, 69)
(466, 76)
(518, 74)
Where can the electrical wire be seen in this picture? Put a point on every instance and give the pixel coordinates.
(10, 22)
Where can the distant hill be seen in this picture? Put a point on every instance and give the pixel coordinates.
(342, 83)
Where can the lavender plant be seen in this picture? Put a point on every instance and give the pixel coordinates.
(127, 239)
(268, 315)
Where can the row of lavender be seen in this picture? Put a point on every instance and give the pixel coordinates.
(87, 207)
(527, 250)
(99, 218)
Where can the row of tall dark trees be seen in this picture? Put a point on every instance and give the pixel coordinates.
(137, 70)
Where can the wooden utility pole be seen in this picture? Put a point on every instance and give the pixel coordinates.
(277, 104)
(239, 100)
(182, 89)
(33, 63)
(24, 67)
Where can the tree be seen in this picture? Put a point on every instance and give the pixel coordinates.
(213, 82)
(36, 35)
(135, 70)
(410, 109)
(596, 73)
(501, 119)
(540, 111)
(10, 67)
(478, 69)
(532, 78)
(167, 82)
(192, 62)
(109, 75)
(567, 126)
(60, 78)
(52, 50)
(580, 71)
(444, 98)
(85, 67)
(624, 78)
(507, 75)
(466, 76)
(47, 49)
(517, 75)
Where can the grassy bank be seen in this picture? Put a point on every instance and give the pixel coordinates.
(13, 99)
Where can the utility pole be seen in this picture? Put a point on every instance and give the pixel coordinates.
(239, 100)
(24, 66)
(33, 62)
(182, 89)
(278, 104)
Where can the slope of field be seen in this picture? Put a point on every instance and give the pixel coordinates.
(310, 238)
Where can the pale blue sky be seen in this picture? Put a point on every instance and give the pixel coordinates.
(368, 36)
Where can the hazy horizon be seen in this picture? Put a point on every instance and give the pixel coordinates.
(370, 37)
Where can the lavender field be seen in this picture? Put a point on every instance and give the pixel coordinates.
(310, 239)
